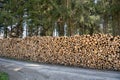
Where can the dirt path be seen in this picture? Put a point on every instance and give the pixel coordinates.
(19, 70)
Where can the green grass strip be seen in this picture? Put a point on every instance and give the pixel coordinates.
(3, 76)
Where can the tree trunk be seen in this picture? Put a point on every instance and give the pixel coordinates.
(105, 24)
(5, 32)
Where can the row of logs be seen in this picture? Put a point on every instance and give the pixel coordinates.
(99, 51)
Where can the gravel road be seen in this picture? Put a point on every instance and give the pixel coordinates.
(19, 70)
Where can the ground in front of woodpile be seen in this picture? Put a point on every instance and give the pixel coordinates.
(19, 70)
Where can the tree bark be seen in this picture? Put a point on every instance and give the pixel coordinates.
(105, 24)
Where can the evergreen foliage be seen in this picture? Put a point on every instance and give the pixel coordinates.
(81, 16)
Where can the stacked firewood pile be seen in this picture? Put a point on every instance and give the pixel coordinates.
(100, 51)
